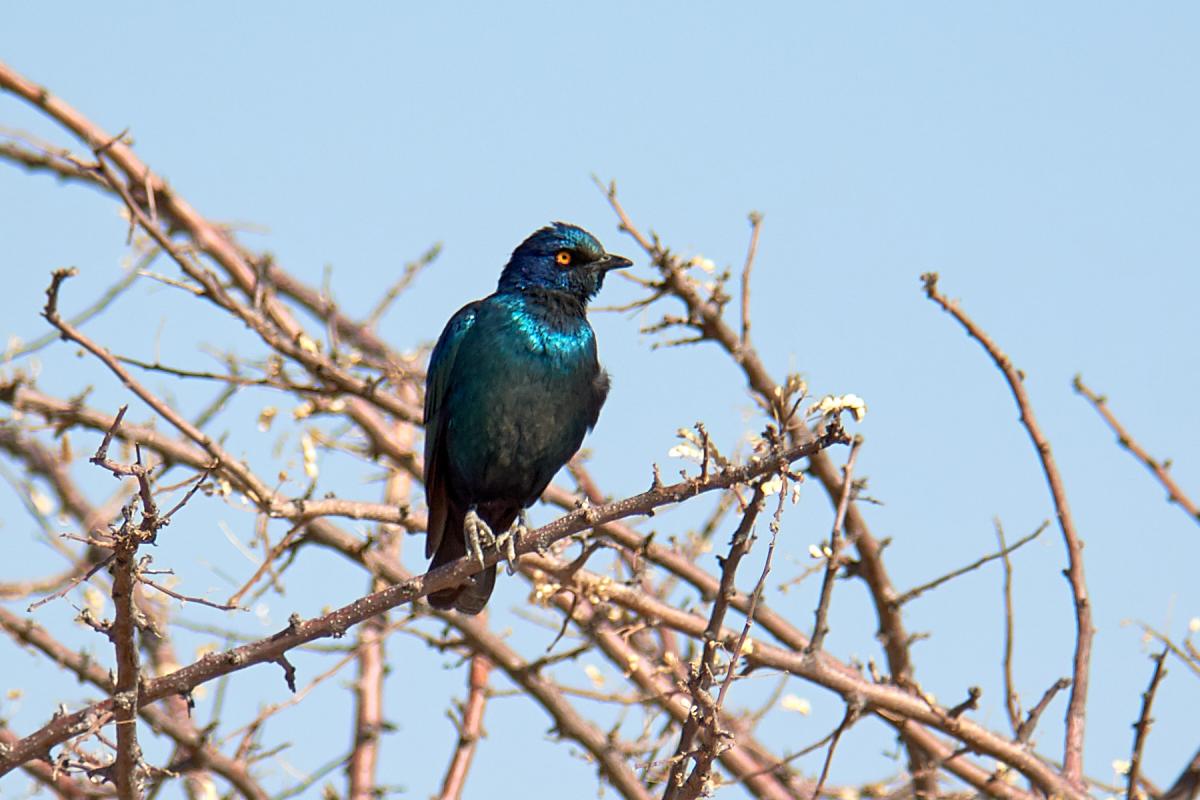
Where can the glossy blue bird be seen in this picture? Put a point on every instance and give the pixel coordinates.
(512, 387)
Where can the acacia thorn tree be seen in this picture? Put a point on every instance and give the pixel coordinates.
(646, 632)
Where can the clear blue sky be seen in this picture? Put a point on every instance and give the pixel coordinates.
(1042, 159)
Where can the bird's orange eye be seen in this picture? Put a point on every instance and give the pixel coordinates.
(563, 257)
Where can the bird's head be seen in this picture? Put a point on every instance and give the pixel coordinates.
(562, 257)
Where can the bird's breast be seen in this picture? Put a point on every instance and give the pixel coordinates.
(555, 338)
(522, 400)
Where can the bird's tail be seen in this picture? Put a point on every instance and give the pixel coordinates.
(469, 597)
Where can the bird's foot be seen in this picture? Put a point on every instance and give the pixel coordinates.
(508, 541)
(477, 533)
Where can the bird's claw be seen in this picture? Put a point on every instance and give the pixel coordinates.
(505, 541)
(476, 532)
(479, 535)
(508, 541)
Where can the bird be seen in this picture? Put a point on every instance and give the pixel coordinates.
(513, 385)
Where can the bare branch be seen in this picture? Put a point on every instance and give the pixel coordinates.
(100, 304)
(337, 622)
(470, 728)
(777, 398)
(833, 559)
(892, 703)
(1157, 468)
(704, 713)
(1011, 703)
(755, 228)
(1084, 629)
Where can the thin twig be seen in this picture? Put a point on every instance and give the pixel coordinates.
(100, 304)
(1188, 658)
(833, 559)
(854, 710)
(407, 275)
(1031, 720)
(755, 227)
(970, 704)
(1003, 553)
(755, 597)
(1158, 468)
(1012, 704)
(197, 482)
(63, 592)
(183, 598)
(231, 380)
(1142, 726)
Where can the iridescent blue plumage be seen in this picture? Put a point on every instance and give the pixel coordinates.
(513, 385)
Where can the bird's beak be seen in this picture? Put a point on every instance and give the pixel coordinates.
(611, 261)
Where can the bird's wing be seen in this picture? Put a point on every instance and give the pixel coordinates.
(437, 386)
